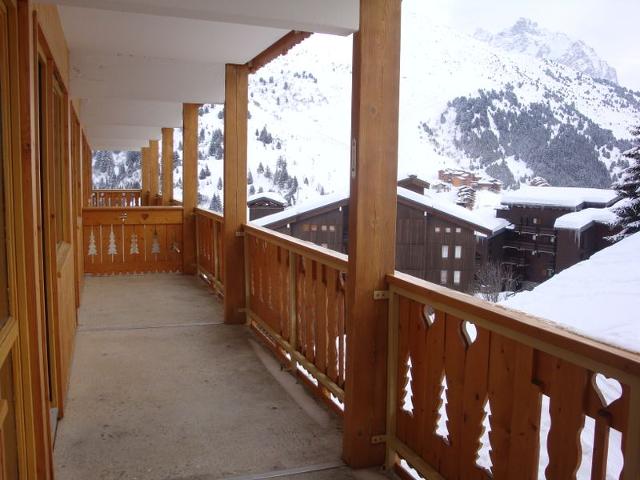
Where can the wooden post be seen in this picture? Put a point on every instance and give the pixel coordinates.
(154, 174)
(189, 184)
(145, 177)
(235, 190)
(87, 173)
(372, 225)
(167, 166)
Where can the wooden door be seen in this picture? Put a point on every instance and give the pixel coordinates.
(12, 450)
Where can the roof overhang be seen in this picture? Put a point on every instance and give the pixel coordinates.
(134, 62)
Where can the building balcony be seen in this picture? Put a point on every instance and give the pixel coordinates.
(535, 230)
(533, 247)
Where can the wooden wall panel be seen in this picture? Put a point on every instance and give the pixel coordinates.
(49, 21)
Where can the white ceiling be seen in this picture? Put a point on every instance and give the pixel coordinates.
(134, 62)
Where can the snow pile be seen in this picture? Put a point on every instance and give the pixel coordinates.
(274, 197)
(301, 208)
(598, 298)
(583, 218)
(564, 197)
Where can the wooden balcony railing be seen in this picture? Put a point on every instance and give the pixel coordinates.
(296, 300)
(132, 239)
(116, 198)
(209, 253)
(460, 369)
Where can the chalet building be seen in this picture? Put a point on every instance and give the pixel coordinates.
(153, 386)
(263, 204)
(415, 184)
(464, 178)
(553, 228)
(435, 240)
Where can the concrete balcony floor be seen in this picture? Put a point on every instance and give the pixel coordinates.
(162, 390)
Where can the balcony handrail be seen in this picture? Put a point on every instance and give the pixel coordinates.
(127, 190)
(209, 214)
(523, 327)
(336, 260)
(512, 362)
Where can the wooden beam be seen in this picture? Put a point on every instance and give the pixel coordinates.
(145, 177)
(280, 47)
(235, 189)
(87, 172)
(372, 225)
(154, 171)
(189, 184)
(167, 166)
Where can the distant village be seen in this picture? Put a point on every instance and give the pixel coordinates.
(535, 232)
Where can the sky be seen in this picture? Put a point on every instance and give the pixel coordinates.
(609, 26)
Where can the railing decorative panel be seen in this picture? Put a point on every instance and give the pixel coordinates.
(132, 240)
(210, 247)
(481, 392)
(116, 198)
(296, 297)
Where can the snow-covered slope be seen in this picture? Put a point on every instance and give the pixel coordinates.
(464, 103)
(527, 37)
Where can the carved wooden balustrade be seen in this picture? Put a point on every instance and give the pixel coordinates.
(471, 387)
(209, 248)
(132, 239)
(296, 300)
(116, 198)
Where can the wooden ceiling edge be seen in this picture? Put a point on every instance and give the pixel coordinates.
(280, 47)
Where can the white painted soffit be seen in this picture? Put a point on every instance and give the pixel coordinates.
(339, 17)
(124, 132)
(122, 144)
(130, 113)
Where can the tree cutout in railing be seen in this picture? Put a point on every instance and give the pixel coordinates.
(113, 248)
(428, 315)
(133, 249)
(155, 244)
(93, 250)
(441, 423)
(469, 333)
(608, 389)
(483, 460)
(407, 399)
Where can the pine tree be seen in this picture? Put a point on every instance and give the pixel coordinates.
(252, 190)
(219, 186)
(267, 172)
(216, 203)
(202, 175)
(249, 178)
(628, 187)
(260, 169)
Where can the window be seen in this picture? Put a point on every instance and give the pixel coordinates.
(458, 251)
(445, 251)
(443, 276)
(535, 220)
(437, 229)
(447, 230)
(456, 277)
(332, 228)
(324, 245)
(458, 230)
(305, 227)
(323, 228)
(314, 228)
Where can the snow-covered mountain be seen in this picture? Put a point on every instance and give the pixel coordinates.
(464, 103)
(527, 37)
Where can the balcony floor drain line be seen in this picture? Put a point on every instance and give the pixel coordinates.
(147, 327)
(290, 472)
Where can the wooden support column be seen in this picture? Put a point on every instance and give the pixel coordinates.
(145, 176)
(87, 172)
(167, 166)
(235, 190)
(154, 171)
(189, 184)
(372, 225)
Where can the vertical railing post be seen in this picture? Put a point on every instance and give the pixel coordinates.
(632, 441)
(236, 112)
(247, 278)
(216, 259)
(392, 380)
(167, 166)
(197, 229)
(293, 312)
(372, 226)
(154, 174)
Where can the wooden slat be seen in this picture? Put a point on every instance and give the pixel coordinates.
(600, 448)
(567, 419)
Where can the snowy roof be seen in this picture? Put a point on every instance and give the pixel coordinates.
(274, 197)
(301, 208)
(486, 222)
(565, 197)
(596, 298)
(583, 218)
